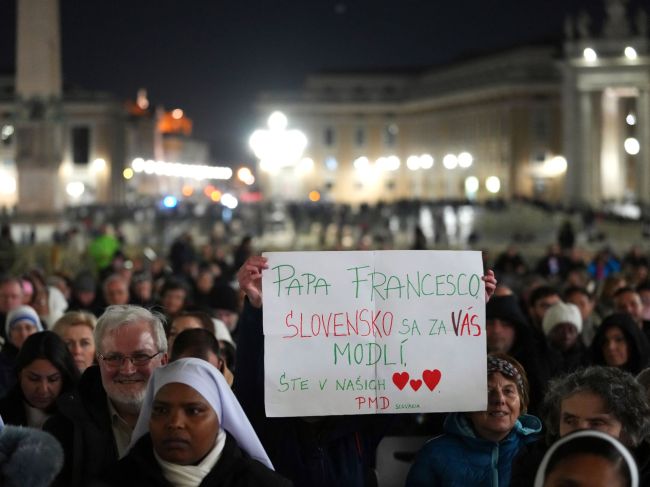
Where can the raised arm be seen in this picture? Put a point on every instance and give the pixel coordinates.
(249, 277)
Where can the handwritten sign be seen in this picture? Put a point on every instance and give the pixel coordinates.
(374, 332)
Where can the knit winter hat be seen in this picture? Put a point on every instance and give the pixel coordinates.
(22, 313)
(562, 313)
(505, 308)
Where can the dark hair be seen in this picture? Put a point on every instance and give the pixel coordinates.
(173, 284)
(201, 316)
(624, 290)
(575, 290)
(229, 354)
(47, 345)
(637, 343)
(195, 342)
(540, 293)
(623, 396)
(589, 445)
(224, 297)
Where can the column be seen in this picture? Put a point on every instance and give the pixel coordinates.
(643, 157)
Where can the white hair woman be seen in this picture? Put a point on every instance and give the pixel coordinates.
(192, 432)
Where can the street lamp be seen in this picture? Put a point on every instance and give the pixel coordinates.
(450, 161)
(277, 147)
(493, 184)
(632, 146)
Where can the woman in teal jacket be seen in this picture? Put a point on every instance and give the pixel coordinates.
(478, 448)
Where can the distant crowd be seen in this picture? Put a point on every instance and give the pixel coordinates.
(150, 372)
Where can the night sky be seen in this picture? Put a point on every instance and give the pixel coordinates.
(212, 58)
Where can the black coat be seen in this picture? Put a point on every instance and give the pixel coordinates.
(12, 408)
(83, 427)
(7, 363)
(234, 469)
(336, 450)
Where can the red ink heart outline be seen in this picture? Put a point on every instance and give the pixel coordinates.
(416, 384)
(431, 378)
(400, 379)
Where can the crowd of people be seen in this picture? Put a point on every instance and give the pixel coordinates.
(139, 372)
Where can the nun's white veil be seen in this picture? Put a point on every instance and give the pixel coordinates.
(209, 382)
(540, 478)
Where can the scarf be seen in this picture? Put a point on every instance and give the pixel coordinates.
(192, 475)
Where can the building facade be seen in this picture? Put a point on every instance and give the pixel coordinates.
(534, 121)
(66, 147)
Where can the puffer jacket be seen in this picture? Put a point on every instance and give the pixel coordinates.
(458, 458)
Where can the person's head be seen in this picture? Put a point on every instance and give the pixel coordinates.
(582, 298)
(562, 325)
(504, 319)
(11, 294)
(77, 328)
(507, 398)
(644, 292)
(116, 290)
(174, 296)
(610, 285)
(45, 369)
(186, 320)
(199, 343)
(627, 300)
(130, 343)
(597, 398)
(84, 288)
(225, 301)
(21, 322)
(205, 280)
(142, 286)
(540, 300)
(619, 342)
(188, 404)
(587, 459)
(226, 343)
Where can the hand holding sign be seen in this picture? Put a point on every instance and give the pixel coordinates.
(249, 277)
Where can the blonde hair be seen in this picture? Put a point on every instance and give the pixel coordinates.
(74, 318)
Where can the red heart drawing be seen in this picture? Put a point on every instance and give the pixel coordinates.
(431, 378)
(400, 379)
(416, 384)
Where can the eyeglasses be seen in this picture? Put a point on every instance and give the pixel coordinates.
(137, 359)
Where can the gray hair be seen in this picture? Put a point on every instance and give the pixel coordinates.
(119, 315)
(623, 396)
(114, 278)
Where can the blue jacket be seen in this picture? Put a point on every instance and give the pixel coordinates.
(458, 458)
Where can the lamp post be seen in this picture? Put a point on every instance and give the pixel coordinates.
(279, 151)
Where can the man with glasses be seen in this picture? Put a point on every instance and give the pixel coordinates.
(94, 425)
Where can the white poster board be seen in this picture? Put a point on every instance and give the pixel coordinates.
(374, 332)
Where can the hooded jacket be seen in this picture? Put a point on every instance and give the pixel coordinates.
(459, 458)
(524, 349)
(638, 347)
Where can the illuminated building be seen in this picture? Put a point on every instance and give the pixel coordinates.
(537, 121)
(62, 147)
